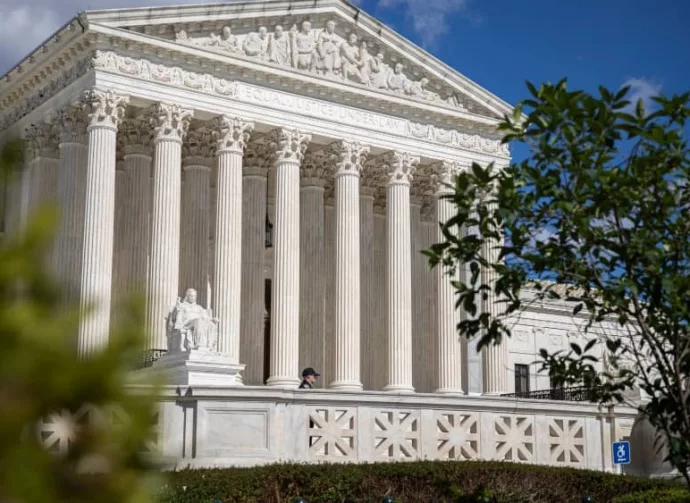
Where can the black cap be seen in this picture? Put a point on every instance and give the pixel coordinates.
(310, 372)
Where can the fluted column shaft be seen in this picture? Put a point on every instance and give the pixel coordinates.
(137, 217)
(232, 134)
(71, 192)
(120, 249)
(367, 296)
(349, 159)
(195, 215)
(107, 109)
(312, 267)
(400, 167)
(494, 357)
(253, 286)
(172, 123)
(449, 344)
(290, 148)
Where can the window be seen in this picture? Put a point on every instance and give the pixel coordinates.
(521, 378)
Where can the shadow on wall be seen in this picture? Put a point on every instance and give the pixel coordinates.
(647, 455)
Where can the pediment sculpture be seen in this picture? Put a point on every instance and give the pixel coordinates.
(190, 326)
(323, 52)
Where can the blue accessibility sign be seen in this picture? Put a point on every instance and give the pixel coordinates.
(621, 453)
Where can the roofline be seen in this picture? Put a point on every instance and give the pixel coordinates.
(78, 18)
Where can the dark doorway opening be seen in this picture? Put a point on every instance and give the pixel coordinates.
(267, 329)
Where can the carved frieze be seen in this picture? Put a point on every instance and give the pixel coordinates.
(326, 52)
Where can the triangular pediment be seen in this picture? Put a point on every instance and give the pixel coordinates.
(330, 39)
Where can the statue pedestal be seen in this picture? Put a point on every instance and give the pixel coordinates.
(197, 368)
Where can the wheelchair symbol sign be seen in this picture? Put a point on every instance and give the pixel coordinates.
(621, 453)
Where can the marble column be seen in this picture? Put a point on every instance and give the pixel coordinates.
(43, 140)
(327, 372)
(106, 111)
(449, 343)
(254, 180)
(138, 154)
(43, 156)
(400, 167)
(348, 160)
(312, 310)
(290, 147)
(368, 346)
(120, 249)
(379, 357)
(72, 122)
(197, 162)
(170, 127)
(494, 357)
(232, 134)
(420, 366)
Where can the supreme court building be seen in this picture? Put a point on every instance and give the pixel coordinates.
(283, 159)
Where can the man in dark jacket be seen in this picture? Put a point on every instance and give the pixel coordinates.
(309, 376)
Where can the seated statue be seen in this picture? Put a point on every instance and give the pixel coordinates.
(190, 326)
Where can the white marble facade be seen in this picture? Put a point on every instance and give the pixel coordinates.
(170, 137)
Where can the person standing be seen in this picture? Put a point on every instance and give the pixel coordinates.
(309, 376)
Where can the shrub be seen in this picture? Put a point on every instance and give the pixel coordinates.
(406, 482)
(670, 495)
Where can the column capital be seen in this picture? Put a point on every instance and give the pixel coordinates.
(400, 166)
(348, 157)
(231, 134)
(105, 108)
(258, 159)
(137, 136)
(170, 122)
(371, 179)
(198, 149)
(290, 145)
(423, 186)
(71, 122)
(441, 174)
(314, 169)
(42, 140)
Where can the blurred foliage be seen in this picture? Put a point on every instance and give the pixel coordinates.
(417, 481)
(77, 406)
(596, 215)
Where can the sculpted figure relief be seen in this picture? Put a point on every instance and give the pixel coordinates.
(190, 326)
(352, 62)
(324, 52)
(329, 50)
(303, 47)
(279, 47)
(256, 43)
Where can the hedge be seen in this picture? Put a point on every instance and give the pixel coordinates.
(432, 481)
(675, 495)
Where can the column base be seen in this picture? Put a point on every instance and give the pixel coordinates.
(346, 386)
(195, 368)
(282, 382)
(449, 391)
(398, 388)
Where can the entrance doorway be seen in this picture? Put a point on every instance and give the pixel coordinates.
(267, 329)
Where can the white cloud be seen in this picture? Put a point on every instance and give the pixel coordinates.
(24, 25)
(642, 89)
(430, 18)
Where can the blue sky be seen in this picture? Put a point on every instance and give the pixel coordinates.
(501, 43)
